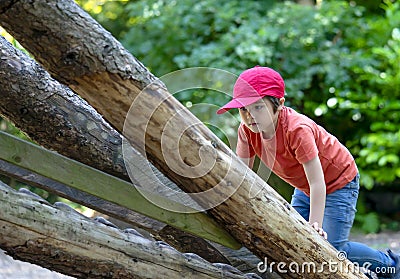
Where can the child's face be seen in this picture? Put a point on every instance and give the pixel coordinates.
(259, 116)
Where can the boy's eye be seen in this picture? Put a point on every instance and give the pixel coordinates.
(259, 107)
(243, 109)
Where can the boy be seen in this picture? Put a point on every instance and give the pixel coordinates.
(306, 156)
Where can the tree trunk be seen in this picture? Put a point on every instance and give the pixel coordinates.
(58, 119)
(80, 53)
(61, 239)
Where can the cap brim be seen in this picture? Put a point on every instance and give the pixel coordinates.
(238, 103)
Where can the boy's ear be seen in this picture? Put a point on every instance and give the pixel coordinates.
(281, 102)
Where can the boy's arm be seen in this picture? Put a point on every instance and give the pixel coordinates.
(248, 161)
(315, 177)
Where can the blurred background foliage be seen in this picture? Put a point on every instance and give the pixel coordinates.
(340, 61)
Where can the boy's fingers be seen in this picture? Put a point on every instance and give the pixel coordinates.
(315, 225)
(320, 230)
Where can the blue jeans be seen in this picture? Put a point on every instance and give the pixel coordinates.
(339, 215)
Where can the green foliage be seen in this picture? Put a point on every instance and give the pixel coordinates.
(375, 95)
(164, 34)
(369, 222)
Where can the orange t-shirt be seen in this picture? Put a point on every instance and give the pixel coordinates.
(297, 140)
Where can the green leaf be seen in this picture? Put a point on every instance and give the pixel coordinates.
(371, 223)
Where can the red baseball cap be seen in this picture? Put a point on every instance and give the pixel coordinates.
(254, 84)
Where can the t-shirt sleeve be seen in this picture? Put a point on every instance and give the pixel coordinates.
(243, 147)
(303, 143)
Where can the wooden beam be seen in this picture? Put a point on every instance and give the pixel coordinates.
(84, 178)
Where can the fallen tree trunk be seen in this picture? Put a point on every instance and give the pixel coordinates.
(81, 54)
(61, 239)
(56, 118)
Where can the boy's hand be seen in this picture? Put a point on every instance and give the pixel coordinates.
(319, 230)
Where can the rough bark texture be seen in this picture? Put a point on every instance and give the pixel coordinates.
(77, 51)
(59, 238)
(56, 118)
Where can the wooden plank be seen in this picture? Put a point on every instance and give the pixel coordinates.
(107, 187)
(100, 205)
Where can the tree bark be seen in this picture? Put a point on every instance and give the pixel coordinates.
(61, 239)
(56, 118)
(78, 52)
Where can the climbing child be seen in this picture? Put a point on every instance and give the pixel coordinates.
(306, 156)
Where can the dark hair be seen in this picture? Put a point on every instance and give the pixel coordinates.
(275, 102)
